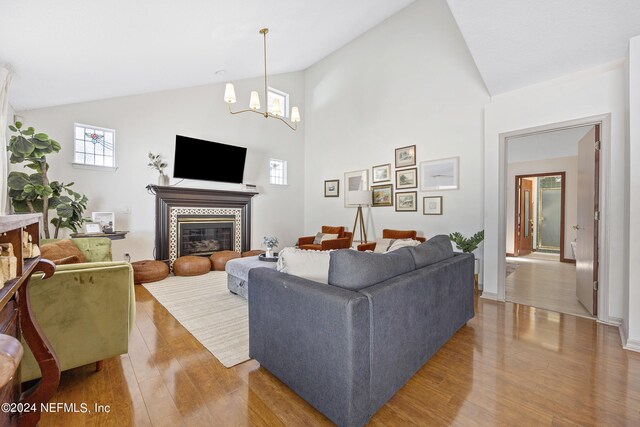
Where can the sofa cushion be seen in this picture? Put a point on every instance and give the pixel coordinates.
(356, 270)
(312, 265)
(382, 245)
(60, 249)
(402, 243)
(435, 249)
(72, 259)
(95, 249)
(399, 234)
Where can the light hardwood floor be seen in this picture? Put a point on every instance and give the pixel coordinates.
(511, 365)
(541, 280)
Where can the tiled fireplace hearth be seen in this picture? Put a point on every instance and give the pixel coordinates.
(193, 221)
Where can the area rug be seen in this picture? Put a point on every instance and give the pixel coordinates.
(213, 315)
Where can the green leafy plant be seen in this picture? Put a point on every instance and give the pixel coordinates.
(34, 192)
(467, 244)
(156, 162)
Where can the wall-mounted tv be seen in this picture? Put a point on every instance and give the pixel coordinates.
(208, 160)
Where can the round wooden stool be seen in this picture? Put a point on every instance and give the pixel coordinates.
(219, 259)
(149, 271)
(191, 265)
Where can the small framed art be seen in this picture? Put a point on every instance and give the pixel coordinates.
(432, 205)
(381, 173)
(355, 181)
(440, 174)
(332, 188)
(406, 178)
(406, 156)
(406, 201)
(382, 195)
(107, 220)
(92, 228)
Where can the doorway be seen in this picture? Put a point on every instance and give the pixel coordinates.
(553, 263)
(540, 214)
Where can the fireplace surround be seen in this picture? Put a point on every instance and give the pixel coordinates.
(198, 221)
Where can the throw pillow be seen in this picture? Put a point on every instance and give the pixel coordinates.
(382, 245)
(433, 250)
(328, 237)
(61, 249)
(73, 259)
(402, 243)
(318, 239)
(312, 265)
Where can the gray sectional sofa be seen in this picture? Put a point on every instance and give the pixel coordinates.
(349, 346)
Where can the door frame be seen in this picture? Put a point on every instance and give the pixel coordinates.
(516, 240)
(603, 229)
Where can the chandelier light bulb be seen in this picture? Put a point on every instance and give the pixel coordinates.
(276, 107)
(229, 94)
(254, 101)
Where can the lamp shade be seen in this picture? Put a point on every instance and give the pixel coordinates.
(295, 115)
(254, 101)
(277, 110)
(359, 197)
(229, 94)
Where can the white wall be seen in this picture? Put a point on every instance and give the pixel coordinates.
(632, 293)
(569, 165)
(588, 93)
(410, 80)
(150, 122)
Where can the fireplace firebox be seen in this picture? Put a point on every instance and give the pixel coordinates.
(205, 234)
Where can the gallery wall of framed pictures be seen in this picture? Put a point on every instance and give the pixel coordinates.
(409, 174)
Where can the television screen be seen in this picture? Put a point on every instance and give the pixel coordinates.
(208, 161)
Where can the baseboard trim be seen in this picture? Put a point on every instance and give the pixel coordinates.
(568, 260)
(511, 254)
(627, 343)
(489, 295)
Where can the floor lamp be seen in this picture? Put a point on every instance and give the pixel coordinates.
(360, 198)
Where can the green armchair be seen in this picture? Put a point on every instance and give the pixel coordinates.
(85, 310)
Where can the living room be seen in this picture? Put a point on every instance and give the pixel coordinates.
(368, 79)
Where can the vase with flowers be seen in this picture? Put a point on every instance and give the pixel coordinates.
(270, 242)
(156, 162)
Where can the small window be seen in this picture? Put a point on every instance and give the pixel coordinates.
(94, 145)
(281, 96)
(278, 172)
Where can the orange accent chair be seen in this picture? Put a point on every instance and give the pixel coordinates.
(342, 242)
(392, 234)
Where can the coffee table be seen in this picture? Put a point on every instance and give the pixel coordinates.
(238, 273)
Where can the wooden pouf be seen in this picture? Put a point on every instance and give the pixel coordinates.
(191, 266)
(149, 271)
(254, 252)
(219, 259)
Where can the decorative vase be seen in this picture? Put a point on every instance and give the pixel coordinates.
(163, 180)
(269, 253)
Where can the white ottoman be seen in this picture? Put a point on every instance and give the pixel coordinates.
(238, 273)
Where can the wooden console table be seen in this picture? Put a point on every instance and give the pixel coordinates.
(15, 307)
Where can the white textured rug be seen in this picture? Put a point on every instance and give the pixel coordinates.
(213, 315)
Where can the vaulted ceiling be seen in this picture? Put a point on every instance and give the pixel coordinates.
(516, 43)
(71, 51)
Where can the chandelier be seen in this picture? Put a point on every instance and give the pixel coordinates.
(254, 100)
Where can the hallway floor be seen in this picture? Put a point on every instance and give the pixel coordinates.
(541, 280)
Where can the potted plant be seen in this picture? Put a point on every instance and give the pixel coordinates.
(156, 162)
(468, 245)
(34, 192)
(270, 243)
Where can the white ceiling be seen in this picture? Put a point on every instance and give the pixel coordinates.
(516, 43)
(67, 51)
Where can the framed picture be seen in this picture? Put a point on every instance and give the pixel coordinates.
(355, 181)
(332, 188)
(381, 173)
(440, 174)
(92, 228)
(382, 195)
(107, 220)
(406, 156)
(406, 178)
(406, 202)
(432, 205)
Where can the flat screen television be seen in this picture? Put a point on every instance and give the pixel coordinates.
(208, 160)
